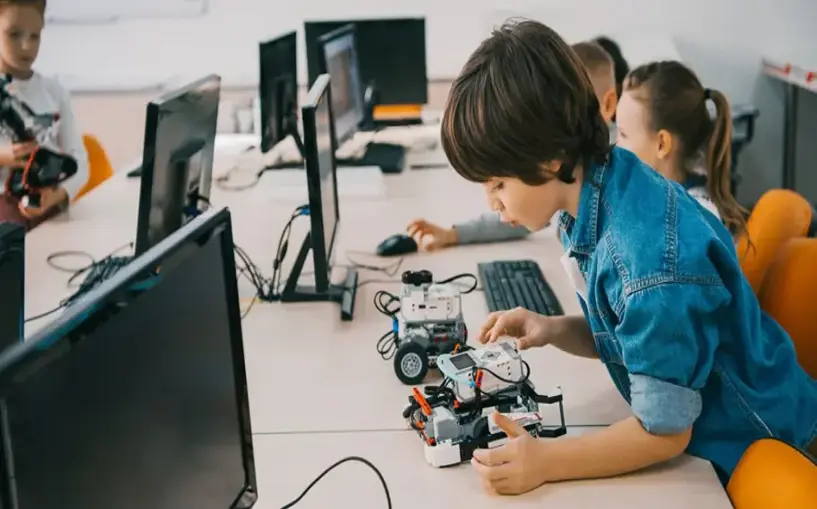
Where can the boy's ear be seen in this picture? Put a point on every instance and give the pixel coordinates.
(609, 102)
(551, 168)
(665, 144)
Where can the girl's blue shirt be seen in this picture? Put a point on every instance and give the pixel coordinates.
(676, 323)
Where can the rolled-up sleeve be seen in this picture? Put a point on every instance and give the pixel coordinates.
(669, 334)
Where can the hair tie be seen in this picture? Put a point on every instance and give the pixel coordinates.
(707, 94)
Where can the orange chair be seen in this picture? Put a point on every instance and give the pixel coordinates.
(778, 216)
(773, 475)
(789, 294)
(99, 166)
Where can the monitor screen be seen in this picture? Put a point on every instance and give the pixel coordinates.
(340, 57)
(12, 283)
(137, 398)
(319, 143)
(278, 89)
(391, 55)
(177, 160)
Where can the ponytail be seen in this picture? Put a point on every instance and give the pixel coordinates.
(719, 163)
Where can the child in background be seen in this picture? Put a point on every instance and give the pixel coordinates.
(21, 23)
(665, 304)
(663, 118)
(622, 68)
(489, 227)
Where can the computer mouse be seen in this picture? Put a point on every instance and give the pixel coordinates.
(396, 245)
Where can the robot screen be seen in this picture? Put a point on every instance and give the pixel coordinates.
(463, 361)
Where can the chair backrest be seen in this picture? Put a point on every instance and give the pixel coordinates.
(789, 294)
(773, 475)
(99, 166)
(778, 216)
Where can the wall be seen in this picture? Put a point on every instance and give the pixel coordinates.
(723, 41)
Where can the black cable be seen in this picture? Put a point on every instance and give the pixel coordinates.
(457, 277)
(43, 315)
(281, 252)
(338, 463)
(72, 270)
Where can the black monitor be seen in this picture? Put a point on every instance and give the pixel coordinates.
(136, 397)
(338, 58)
(12, 283)
(177, 159)
(278, 90)
(324, 212)
(391, 52)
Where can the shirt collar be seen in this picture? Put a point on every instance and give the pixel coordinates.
(582, 231)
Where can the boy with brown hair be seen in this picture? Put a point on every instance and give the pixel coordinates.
(489, 227)
(665, 305)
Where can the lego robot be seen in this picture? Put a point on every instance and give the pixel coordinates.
(45, 168)
(456, 418)
(428, 324)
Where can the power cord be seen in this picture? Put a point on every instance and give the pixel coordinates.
(337, 464)
(280, 254)
(385, 302)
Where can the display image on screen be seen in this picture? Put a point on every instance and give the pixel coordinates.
(463, 361)
(141, 413)
(326, 156)
(338, 69)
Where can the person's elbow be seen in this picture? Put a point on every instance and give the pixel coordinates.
(672, 445)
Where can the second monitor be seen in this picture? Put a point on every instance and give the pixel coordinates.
(319, 149)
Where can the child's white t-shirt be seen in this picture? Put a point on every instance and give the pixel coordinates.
(44, 96)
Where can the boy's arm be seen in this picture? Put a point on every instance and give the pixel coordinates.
(488, 228)
(618, 449)
(70, 143)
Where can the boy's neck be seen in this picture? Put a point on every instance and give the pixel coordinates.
(574, 193)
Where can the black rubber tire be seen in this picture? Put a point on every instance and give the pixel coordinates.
(411, 352)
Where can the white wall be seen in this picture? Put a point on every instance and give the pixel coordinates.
(722, 39)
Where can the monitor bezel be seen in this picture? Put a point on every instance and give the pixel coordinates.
(319, 93)
(98, 305)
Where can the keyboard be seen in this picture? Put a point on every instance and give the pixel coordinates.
(389, 157)
(518, 283)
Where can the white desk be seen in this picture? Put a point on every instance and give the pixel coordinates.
(286, 464)
(303, 363)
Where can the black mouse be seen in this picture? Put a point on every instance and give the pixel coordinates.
(396, 245)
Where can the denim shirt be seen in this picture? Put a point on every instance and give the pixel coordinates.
(676, 323)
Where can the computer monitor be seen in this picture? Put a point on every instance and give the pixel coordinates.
(278, 90)
(324, 212)
(177, 159)
(391, 53)
(137, 396)
(338, 58)
(12, 283)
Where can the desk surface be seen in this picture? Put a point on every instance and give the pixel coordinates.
(286, 464)
(303, 362)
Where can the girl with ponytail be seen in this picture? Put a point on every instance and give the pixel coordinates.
(663, 117)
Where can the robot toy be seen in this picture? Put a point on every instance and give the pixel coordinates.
(456, 418)
(428, 324)
(45, 168)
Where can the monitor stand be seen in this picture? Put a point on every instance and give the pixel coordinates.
(344, 294)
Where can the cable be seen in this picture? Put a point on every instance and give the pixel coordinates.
(72, 270)
(344, 460)
(280, 254)
(464, 275)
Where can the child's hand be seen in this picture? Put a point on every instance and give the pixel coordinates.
(529, 328)
(515, 467)
(16, 155)
(436, 237)
(49, 199)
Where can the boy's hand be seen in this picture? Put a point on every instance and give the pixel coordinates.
(515, 467)
(49, 199)
(16, 155)
(529, 328)
(435, 237)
